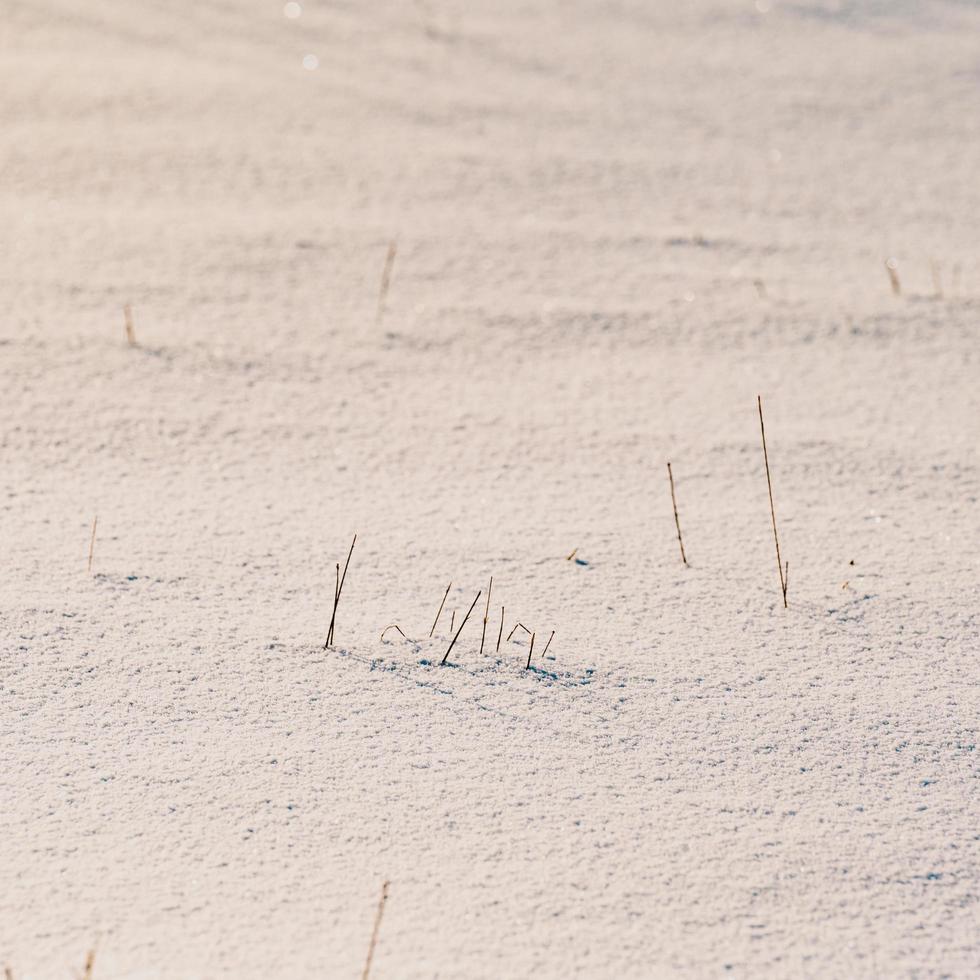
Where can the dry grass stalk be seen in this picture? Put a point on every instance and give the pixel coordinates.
(461, 625)
(501, 632)
(337, 593)
(512, 632)
(486, 616)
(395, 626)
(544, 652)
(130, 330)
(783, 575)
(891, 267)
(377, 928)
(572, 555)
(452, 621)
(529, 653)
(677, 520)
(519, 626)
(386, 280)
(91, 544)
(89, 965)
(438, 614)
(333, 612)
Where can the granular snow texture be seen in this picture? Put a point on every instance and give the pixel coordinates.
(617, 223)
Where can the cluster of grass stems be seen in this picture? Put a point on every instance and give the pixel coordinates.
(455, 633)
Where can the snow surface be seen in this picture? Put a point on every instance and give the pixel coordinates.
(617, 223)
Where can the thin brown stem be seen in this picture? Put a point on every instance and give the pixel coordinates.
(386, 280)
(544, 652)
(395, 626)
(333, 612)
(677, 520)
(375, 930)
(501, 633)
(340, 589)
(438, 614)
(130, 330)
(772, 507)
(461, 625)
(91, 544)
(529, 653)
(343, 578)
(452, 621)
(486, 616)
(518, 626)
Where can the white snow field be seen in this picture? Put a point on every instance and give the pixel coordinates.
(616, 223)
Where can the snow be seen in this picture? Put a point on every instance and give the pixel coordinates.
(585, 197)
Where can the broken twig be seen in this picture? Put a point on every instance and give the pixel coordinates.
(395, 626)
